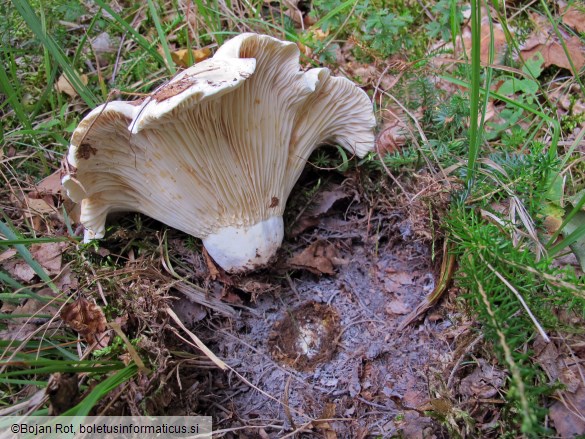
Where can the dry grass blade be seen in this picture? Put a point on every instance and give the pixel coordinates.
(27, 406)
(118, 330)
(198, 295)
(446, 274)
(190, 290)
(286, 404)
(197, 342)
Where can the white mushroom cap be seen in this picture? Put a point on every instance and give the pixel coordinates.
(217, 150)
(208, 79)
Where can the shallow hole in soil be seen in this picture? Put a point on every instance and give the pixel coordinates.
(306, 336)
(351, 365)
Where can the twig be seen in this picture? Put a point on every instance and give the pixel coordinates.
(286, 405)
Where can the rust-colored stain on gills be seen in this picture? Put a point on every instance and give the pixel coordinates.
(85, 151)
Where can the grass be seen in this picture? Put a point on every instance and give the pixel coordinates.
(507, 179)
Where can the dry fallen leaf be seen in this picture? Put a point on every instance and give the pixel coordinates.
(19, 328)
(369, 74)
(574, 16)
(319, 258)
(395, 281)
(49, 255)
(414, 425)
(484, 382)
(88, 320)
(190, 313)
(19, 270)
(292, 10)
(568, 413)
(7, 254)
(324, 426)
(64, 86)
(37, 208)
(397, 307)
(499, 38)
(324, 201)
(391, 138)
(67, 280)
(305, 50)
(543, 40)
(214, 272)
(548, 358)
(414, 397)
(50, 185)
(181, 57)
(39, 205)
(103, 43)
(553, 53)
(255, 288)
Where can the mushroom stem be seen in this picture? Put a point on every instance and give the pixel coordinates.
(239, 249)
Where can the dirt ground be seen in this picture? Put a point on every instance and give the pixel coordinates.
(322, 352)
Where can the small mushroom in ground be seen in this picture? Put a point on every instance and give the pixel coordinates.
(216, 151)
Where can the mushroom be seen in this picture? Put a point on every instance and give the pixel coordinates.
(216, 151)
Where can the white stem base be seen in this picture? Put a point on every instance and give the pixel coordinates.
(239, 249)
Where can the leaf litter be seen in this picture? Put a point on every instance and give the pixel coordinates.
(543, 40)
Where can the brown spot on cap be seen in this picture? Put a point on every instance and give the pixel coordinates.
(85, 151)
(136, 102)
(173, 89)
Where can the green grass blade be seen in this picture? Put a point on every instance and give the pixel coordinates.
(59, 366)
(32, 20)
(12, 95)
(474, 132)
(17, 297)
(508, 100)
(124, 26)
(162, 37)
(28, 258)
(40, 384)
(24, 316)
(211, 18)
(334, 12)
(101, 390)
(17, 286)
(8, 242)
(572, 237)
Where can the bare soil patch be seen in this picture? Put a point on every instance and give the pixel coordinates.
(353, 374)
